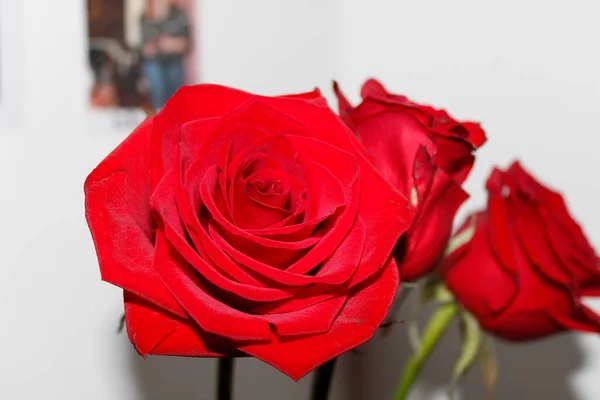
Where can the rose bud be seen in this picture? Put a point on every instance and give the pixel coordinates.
(426, 155)
(240, 225)
(528, 264)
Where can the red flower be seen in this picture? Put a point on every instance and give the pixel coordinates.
(528, 263)
(425, 154)
(246, 225)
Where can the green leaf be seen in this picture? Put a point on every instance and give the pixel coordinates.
(471, 343)
(489, 366)
(461, 238)
(414, 336)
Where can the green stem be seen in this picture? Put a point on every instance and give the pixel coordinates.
(435, 329)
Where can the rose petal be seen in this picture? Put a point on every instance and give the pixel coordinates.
(189, 103)
(312, 320)
(315, 97)
(188, 202)
(357, 322)
(336, 270)
(427, 238)
(454, 157)
(164, 203)
(569, 243)
(249, 206)
(271, 251)
(473, 264)
(533, 238)
(524, 325)
(439, 121)
(394, 140)
(581, 318)
(120, 220)
(153, 332)
(502, 238)
(276, 275)
(209, 313)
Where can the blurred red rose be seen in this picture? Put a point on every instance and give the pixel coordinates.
(246, 225)
(426, 155)
(528, 264)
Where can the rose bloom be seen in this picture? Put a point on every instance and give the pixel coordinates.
(424, 153)
(528, 264)
(240, 225)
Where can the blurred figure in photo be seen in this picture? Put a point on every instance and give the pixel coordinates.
(140, 51)
(165, 43)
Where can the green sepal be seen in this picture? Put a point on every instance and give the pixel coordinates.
(489, 366)
(471, 337)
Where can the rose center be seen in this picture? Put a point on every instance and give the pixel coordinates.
(267, 187)
(268, 191)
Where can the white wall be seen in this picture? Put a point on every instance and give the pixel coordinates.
(528, 70)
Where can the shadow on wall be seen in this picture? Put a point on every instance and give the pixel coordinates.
(539, 370)
(175, 378)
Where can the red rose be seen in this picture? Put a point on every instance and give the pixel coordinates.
(528, 264)
(246, 225)
(425, 154)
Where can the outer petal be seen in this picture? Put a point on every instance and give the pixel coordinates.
(525, 325)
(454, 140)
(314, 97)
(153, 332)
(438, 120)
(566, 238)
(426, 240)
(472, 273)
(581, 318)
(454, 157)
(542, 309)
(117, 209)
(393, 140)
(502, 238)
(344, 106)
(356, 323)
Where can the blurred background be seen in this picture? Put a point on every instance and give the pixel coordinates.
(528, 70)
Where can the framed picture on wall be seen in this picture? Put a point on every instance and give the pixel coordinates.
(11, 79)
(139, 53)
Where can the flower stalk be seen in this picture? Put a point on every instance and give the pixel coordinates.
(322, 381)
(438, 324)
(225, 379)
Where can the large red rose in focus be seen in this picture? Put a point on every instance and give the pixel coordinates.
(426, 154)
(528, 264)
(246, 225)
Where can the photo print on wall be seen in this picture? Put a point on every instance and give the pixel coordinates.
(140, 52)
